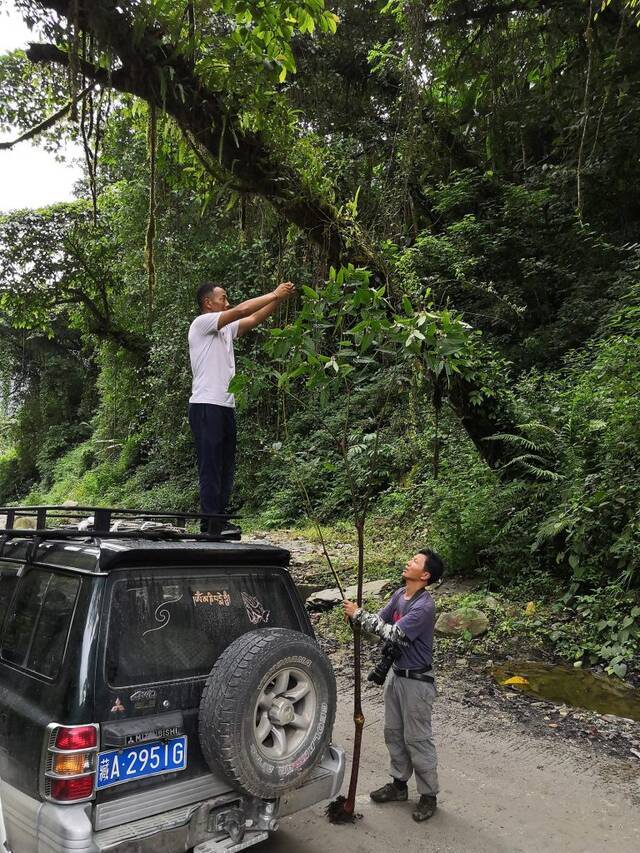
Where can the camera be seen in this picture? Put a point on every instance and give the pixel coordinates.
(389, 652)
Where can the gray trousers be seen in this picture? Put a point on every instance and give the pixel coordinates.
(407, 731)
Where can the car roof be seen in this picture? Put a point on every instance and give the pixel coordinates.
(97, 555)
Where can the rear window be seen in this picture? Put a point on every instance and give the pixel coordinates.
(38, 621)
(165, 628)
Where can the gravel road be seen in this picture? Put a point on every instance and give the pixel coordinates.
(503, 790)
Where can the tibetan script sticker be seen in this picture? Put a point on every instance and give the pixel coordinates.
(222, 598)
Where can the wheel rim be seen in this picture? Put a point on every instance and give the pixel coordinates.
(285, 713)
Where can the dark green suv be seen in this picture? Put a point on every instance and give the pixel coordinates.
(158, 691)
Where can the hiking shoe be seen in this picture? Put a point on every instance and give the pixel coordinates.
(389, 793)
(425, 807)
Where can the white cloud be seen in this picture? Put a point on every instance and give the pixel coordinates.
(29, 176)
(14, 33)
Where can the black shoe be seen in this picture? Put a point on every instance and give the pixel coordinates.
(222, 530)
(425, 807)
(231, 531)
(389, 793)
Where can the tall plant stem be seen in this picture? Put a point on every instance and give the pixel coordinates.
(358, 717)
(344, 810)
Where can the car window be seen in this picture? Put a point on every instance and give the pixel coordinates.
(162, 628)
(38, 621)
(8, 582)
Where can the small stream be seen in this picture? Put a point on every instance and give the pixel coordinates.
(574, 687)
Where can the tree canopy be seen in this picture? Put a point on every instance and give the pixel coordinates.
(454, 187)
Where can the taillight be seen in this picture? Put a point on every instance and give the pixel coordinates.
(69, 773)
(76, 737)
(67, 790)
(71, 765)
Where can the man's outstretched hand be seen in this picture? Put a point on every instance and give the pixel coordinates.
(350, 608)
(285, 290)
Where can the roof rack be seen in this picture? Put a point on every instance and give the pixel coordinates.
(98, 521)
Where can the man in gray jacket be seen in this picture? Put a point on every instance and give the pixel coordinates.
(407, 621)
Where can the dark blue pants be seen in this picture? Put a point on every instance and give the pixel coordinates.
(214, 434)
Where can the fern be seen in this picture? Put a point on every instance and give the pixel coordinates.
(518, 440)
(550, 528)
(516, 519)
(527, 460)
(536, 425)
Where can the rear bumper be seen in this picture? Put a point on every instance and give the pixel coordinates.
(36, 827)
(324, 784)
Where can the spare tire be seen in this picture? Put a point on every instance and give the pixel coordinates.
(267, 711)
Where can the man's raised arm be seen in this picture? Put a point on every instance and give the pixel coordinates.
(259, 316)
(246, 311)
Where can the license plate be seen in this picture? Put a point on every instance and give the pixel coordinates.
(137, 762)
(229, 846)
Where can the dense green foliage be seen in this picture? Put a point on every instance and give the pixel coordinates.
(485, 161)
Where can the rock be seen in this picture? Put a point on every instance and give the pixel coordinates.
(25, 522)
(324, 599)
(327, 598)
(372, 588)
(303, 560)
(491, 603)
(461, 661)
(455, 623)
(69, 503)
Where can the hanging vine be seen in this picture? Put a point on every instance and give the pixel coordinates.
(93, 118)
(414, 39)
(436, 400)
(73, 35)
(585, 109)
(152, 139)
(191, 17)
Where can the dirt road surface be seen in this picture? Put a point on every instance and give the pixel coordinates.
(503, 790)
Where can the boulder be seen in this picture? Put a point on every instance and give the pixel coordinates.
(25, 522)
(371, 589)
(455, 623)
(325, 599)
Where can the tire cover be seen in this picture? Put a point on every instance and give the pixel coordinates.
(267, 711)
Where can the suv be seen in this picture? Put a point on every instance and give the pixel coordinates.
(159, 691)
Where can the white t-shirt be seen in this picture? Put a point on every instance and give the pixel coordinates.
(212, 361)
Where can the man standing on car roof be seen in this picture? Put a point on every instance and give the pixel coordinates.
(211, 406)
(406, 622)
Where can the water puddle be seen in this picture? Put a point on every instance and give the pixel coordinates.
(574, 687)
